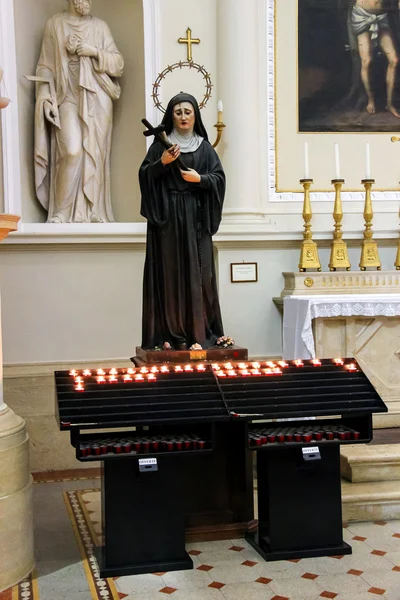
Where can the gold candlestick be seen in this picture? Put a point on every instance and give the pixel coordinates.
(220, 126)
(339, 255)
(369, 248)
(309, 251)
(397, 263)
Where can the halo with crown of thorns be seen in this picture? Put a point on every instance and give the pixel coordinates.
(180, 65)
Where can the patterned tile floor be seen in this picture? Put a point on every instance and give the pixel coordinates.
(229, 570)
(233, 570)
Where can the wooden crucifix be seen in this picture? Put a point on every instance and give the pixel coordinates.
(160, 135)
(189, 41)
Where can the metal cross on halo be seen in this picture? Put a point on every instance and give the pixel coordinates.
(189, 41)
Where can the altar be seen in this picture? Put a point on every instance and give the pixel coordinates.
(347, 314)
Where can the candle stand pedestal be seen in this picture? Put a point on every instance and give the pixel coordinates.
(369, 247)
(397, 262)
(309, 258)
(339, 255)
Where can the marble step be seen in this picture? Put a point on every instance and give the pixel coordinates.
(376, 501)
(364, 463)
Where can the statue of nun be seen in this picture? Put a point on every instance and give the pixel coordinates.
(183, 209)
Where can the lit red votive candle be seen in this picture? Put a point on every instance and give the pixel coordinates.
(96, 449)
(83, 450)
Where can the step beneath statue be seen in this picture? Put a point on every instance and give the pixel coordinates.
(213, 354)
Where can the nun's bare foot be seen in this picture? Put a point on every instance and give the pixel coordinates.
(393, 111)
(371, 107)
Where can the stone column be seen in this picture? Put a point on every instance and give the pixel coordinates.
(239, 89)
(16, 519)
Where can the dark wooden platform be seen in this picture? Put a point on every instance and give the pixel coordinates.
(213, 354)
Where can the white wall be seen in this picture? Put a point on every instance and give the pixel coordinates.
(70, 304)
(63, 304)
(175, 18)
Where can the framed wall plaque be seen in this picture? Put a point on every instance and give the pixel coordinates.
(244, 272)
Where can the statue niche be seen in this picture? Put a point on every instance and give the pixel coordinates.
(76, 85)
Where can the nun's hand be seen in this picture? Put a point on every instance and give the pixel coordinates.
(191, 175)
(168, 156)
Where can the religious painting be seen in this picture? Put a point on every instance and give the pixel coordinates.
(348, 75)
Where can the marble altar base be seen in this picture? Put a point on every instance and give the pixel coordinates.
(375, 343)
(373, 340)
(371, 482)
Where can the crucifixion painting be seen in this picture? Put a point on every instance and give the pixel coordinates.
(348, 55)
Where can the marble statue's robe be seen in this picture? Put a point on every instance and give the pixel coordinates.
(72, 165)
(180, 297)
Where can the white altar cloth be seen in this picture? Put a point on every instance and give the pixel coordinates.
(299, 311)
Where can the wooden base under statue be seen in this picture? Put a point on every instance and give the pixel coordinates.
(213, 354)
(223, 506)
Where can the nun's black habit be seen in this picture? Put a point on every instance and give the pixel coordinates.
(180, 298)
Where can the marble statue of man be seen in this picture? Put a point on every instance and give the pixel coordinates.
(80, 64)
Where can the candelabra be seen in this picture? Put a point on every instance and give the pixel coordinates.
(220, 126)
(369, 248)
(339, 255)
(309, 251)
(397, 263)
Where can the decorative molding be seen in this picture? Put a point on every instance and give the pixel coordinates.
(152, 56)
(271, 125)
(284, 197)
(79, 233)
(247, 229)
(329, 283)
(9, 117)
